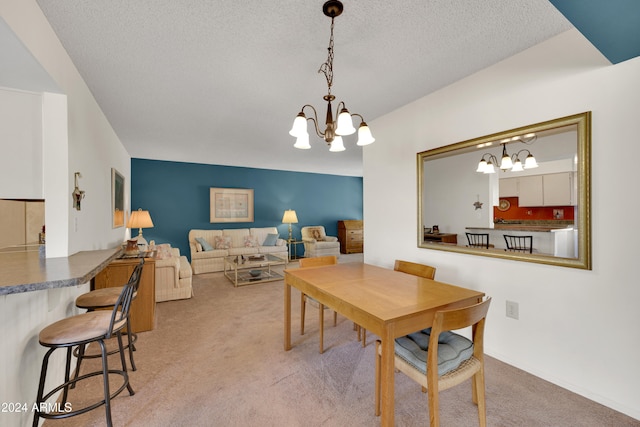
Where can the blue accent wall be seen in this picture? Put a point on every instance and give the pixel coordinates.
(177, 197)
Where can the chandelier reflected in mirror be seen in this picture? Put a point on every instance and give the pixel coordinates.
(334, 130)
(513, 163)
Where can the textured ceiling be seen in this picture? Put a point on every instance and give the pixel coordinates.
(220, 82)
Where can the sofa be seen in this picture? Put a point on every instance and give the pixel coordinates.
(209, 247)
(317, 243)
(173, 275)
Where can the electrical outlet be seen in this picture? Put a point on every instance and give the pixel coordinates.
(513, 310)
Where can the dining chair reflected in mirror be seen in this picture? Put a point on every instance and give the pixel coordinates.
(450, 358)
(519, 243)
(316, 262)
(478, 240)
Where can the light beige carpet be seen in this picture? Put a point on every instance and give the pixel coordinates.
(218, 360)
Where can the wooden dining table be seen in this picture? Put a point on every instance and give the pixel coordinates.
(387, 303)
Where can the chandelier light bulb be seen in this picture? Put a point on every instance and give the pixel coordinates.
(299, 126)
(302, 142)
(517, 166)
(345, 124)
(337, 144)
(482, 165)
(364, 135)
(530, 162)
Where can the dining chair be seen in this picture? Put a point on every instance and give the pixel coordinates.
(316, 262)
(415, 269)
(478, 240)
(408, 267)
(438, 359)
(519, 243)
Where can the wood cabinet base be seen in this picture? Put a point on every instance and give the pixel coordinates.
(143, 308)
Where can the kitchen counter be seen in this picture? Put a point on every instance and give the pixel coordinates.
(27, 271)
(524, 227)
(556, 240)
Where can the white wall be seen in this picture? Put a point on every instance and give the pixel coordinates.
(577, 328)
(76, 137)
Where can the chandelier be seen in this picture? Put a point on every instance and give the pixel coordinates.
(334, 130)
(513, 163)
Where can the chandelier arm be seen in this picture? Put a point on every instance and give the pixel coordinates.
(313, 119)
(356, 114)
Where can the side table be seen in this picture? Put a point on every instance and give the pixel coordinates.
(293, 249)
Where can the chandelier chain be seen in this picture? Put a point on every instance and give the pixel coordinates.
(327, 67)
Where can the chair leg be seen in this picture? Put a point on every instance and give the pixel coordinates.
(434, 403)
(478, 383)
(321, 317)
(67, 374)
(303, 301)
(378, 374)
(124, 364)
(43, 376)
(81, 349)
(364, 337)
(131, 347)
(335, 319)
(105, 380)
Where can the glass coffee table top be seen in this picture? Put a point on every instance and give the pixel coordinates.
(250, 269)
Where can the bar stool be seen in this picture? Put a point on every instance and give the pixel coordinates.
(82, 329)
(106, 298)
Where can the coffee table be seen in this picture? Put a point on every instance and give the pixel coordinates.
(251, 269)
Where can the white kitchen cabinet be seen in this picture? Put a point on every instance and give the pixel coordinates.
(508, 187)
(554, 189)
(530, 191)
(557, 189)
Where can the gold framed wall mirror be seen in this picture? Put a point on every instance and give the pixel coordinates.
(540, 187)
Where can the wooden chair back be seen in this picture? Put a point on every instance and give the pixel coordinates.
(318, 261)
(415, 269)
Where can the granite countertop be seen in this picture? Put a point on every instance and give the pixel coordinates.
(26, 271)
(523, 227)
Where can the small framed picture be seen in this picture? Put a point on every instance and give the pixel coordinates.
(435, 229)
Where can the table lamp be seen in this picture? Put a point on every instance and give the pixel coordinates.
(140, 219)
(290, 217)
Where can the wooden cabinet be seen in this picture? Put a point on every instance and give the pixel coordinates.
(143, 308)
(351, 236)
(530, 191)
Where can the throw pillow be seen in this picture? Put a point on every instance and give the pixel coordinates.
(205, 245)
(250, 242)
(222, 242)
(163, 251)
(271, 240)
(317, 234)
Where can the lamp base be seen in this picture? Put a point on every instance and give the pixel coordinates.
(142, 243)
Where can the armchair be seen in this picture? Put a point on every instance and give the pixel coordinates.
(317, 243)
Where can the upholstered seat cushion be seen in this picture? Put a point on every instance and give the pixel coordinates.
(453, 349)
(80, 328)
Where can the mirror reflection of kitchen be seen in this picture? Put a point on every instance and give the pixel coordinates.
(21, 228)
(539, 199)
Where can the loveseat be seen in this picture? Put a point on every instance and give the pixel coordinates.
(209, 247)
(173, 275)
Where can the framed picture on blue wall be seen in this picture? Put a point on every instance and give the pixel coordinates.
(231, 205)
(117, 198)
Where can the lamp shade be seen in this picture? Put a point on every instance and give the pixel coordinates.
(289, 217)
(345, 124)
(140, 219)
(337, 144)
(364, 135)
